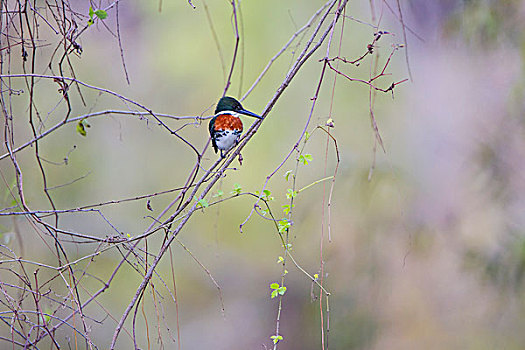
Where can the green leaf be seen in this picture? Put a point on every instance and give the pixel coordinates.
(91, 14)
(276, 338)
(81, 129)
(274, 294)
(291, 193)
(282, 290)
(274, 285)
(305, 158)
(219, 194)
(202, 203)
(267, 195)
(283, 225)
(306, 136)
(287, 174)
(101, 14)
(280, 260)
(288, 246)
(287, 208)
(236, 189)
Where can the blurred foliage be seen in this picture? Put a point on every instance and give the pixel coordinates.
(487, 23)
(504, 267)
(491, 25)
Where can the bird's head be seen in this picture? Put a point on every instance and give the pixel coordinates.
(229, 104)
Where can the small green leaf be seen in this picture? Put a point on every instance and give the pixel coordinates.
(45, 319)
(267, 195)
(203, 203)
(276, 338)
(291, 193)
(81, 129)
(219, 194)
(236, 189)
(277, 290)
(305, 158)
(280, 260)
(283, 225)
(316, 276)
(287, 208)
(287, 174)
(91, 14)
(101, 14)
(306, 136)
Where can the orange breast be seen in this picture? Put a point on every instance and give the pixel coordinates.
(228, 122)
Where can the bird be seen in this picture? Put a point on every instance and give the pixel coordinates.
(226, 126)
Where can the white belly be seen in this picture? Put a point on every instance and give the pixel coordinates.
(226, 139)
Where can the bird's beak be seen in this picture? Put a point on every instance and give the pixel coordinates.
(248, 113)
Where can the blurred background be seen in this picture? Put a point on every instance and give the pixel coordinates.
(429, 252)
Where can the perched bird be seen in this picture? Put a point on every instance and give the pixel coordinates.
(226, 126)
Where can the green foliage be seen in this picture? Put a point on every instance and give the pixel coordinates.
(219, 194)
(202, 203)
(280, 260)
(237, 189)
(81, 127)
(305, 158)
(287, 174)
(101, 14)
(267, 195)
(44, 317)
(277, 290)
(284, 225)
(276, 338)
(287, 208)
(291, 193)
